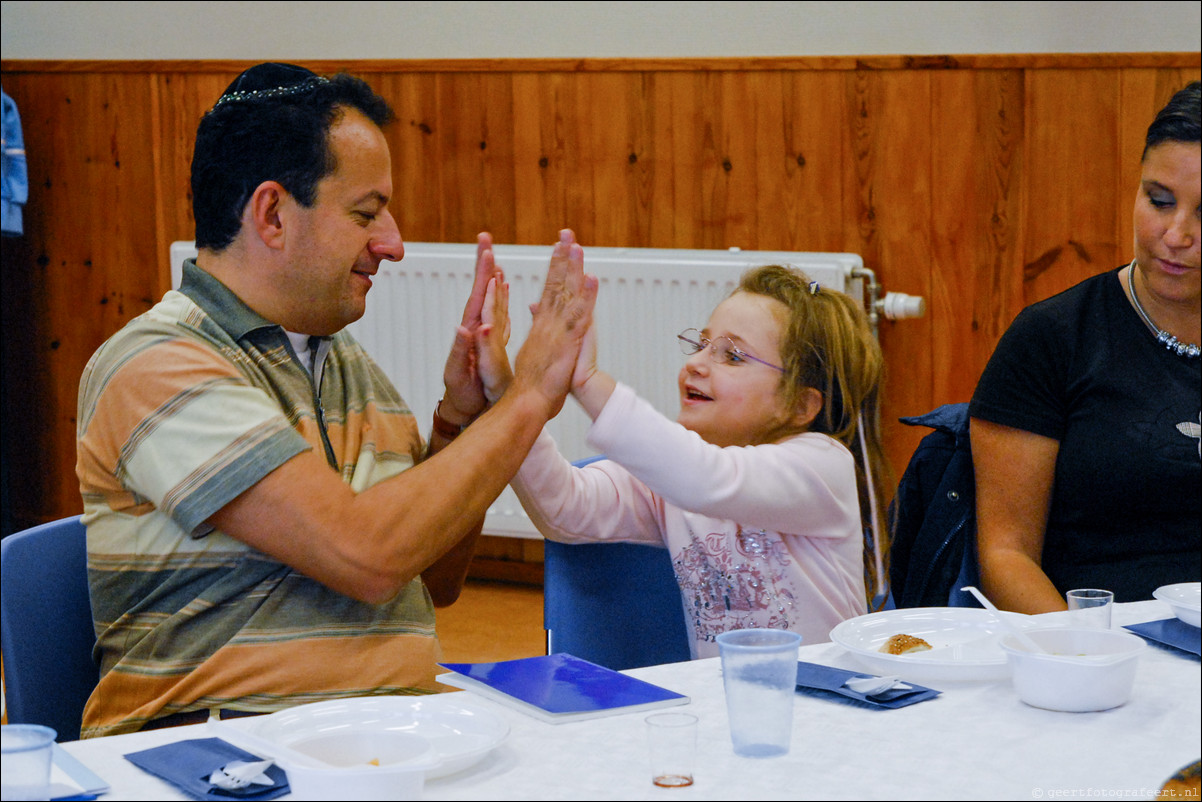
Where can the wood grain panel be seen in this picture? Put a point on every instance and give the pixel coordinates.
(982, 183)
(1071, 191)
(90, 240)
(182, 98)
(887, 212)
(617, 120)
(542, 105)
(799, 186)
(415, 141)
(976, 278)
(477, 115)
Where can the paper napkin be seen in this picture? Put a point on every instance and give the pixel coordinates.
(831, 680)
(189, 764)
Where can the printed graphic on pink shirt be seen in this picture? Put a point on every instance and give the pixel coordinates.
(734, 582)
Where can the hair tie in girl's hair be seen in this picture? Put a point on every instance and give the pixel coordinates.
(814, 288)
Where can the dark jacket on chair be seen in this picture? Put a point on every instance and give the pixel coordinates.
(933, 517)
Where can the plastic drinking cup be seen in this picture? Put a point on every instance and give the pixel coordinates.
(759, 672)
(672, 747)
(1090, 607)
(25, 767)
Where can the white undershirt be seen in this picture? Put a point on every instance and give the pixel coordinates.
(300, 344)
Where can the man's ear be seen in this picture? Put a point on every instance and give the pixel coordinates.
(265, 210)
(809, 405)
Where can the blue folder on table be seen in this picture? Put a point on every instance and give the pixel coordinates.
(560, 687)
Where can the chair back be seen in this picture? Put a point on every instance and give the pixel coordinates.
(614, 604)
(47, 634)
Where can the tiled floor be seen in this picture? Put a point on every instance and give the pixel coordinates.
(493, 621)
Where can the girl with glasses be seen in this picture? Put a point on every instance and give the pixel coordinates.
(759, 488)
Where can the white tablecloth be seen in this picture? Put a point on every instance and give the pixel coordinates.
(975, 741)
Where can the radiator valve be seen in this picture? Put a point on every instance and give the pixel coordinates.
(898, 306)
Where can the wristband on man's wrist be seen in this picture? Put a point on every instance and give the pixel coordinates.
(443, 427)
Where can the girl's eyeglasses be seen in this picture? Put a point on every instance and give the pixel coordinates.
(722, 350)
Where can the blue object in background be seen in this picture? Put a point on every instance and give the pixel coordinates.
(15, 177)
(46, 629)
(614, 604)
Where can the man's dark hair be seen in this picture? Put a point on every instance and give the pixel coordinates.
(271, 124)
(1179, 121)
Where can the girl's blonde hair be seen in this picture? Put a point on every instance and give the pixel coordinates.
(827, 344)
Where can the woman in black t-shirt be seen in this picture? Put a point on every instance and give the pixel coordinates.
(1085, 424)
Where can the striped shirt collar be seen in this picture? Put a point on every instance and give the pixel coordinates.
(221, 304)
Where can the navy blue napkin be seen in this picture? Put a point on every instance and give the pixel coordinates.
(1171, 632)
(830, 680)
(189, 764)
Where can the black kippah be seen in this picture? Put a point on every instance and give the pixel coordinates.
(270, 75)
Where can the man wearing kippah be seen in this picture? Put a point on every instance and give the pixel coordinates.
(266, 524)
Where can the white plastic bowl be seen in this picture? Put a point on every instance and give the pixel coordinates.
(1186, 600)
(359, 764)
(1085, 670)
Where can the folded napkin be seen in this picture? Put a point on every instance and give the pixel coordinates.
(189, 765)
(1171, 632)
(833, 680)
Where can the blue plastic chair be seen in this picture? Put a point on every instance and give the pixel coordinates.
(614, 604)
(46, 632)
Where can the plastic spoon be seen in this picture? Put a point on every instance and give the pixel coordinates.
(1026, 639)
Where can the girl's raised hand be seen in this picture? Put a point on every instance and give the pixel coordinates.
(491, 359)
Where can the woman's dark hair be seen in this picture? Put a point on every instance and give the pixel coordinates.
(271, 124)
(1179, 121)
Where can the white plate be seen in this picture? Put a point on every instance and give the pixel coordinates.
(1186, 600)
(460, 735)
(964, 643)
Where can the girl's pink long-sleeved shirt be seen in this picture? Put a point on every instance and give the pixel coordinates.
(760, 536)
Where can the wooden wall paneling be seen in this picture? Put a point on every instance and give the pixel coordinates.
(799, 192)
(976, 169)
(640, 163)
(887, 212)
(733, 209)
(475, 131)
(585, 158)
(711, 226)
(25, 321)
(1072, 134)
(1137, 108)
(89, 227)
(936, 171)
(182, 99)
(671, 206)
(615, 119)
(705, 148)
(545, 156)
(415, 142)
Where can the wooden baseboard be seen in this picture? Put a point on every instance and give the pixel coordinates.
(508, 559)
(521, 573)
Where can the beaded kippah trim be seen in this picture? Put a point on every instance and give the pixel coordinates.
(279, 91)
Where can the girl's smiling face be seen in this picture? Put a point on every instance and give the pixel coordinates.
(738, 404)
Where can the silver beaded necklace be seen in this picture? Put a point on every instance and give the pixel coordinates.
(1169, 341)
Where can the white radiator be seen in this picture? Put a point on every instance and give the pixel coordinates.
(646, 297)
